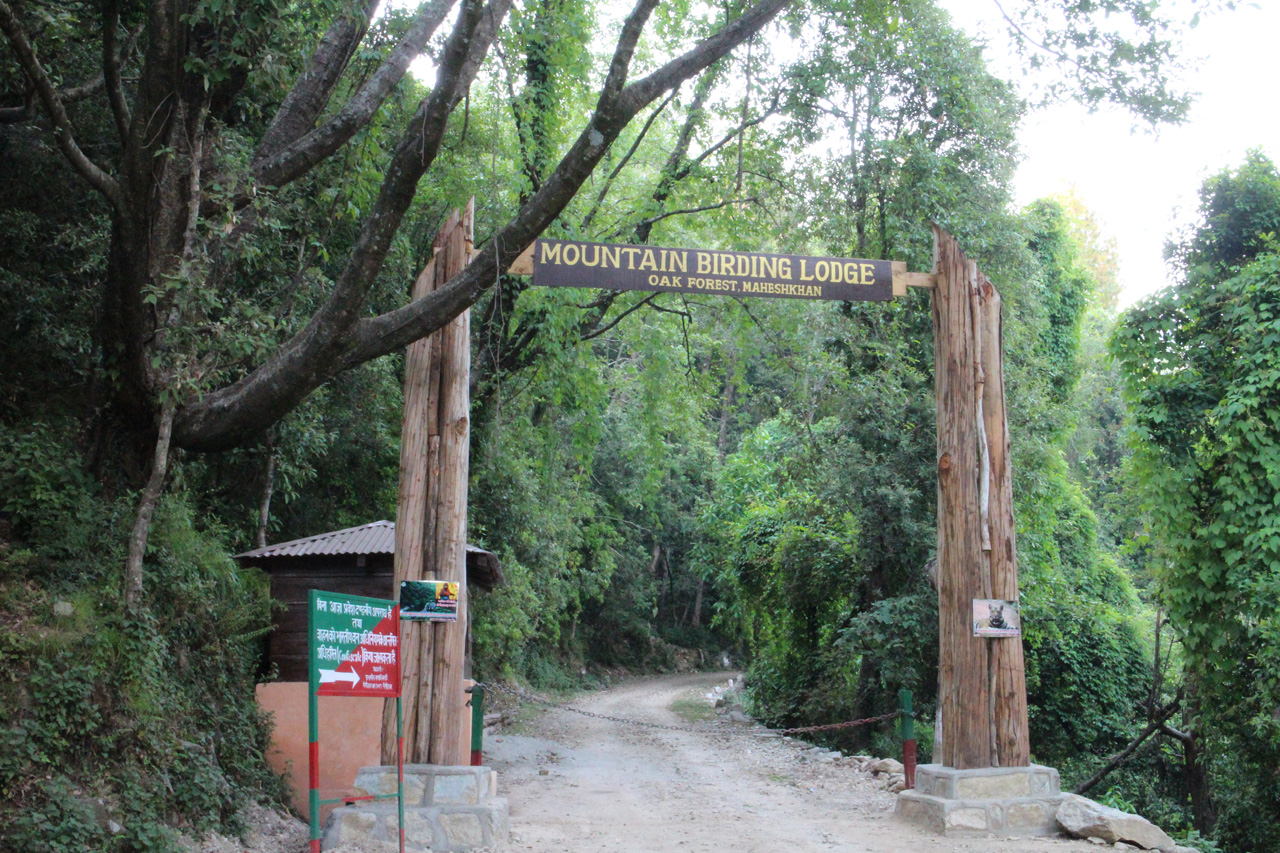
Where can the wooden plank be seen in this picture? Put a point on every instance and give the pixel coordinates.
(1012, 744)
(523, 264)
(410, 511)
(447, 708)
(902, 279)
(291, 667)
(963, 673)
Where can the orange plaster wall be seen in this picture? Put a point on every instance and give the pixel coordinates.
(350, 738)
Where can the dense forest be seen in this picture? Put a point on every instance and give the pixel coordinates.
(211, 212)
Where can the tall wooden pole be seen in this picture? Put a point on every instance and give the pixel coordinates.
(1009, 690)
(447, 700)
(431, 515)
(410, 512)
(982, 687)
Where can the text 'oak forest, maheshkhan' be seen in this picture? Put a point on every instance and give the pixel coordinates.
(564, 263)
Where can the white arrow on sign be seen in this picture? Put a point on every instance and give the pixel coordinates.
(327, 675)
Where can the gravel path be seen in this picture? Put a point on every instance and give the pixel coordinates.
(586, 785)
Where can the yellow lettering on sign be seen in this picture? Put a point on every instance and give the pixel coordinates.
(868, 273)
(550, 253)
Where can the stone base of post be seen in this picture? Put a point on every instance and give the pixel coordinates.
(1000, 801)
(446, 810)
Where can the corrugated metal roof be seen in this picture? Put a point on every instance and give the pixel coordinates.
(377, 537)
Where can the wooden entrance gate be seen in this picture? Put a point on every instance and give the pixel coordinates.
(982, 687)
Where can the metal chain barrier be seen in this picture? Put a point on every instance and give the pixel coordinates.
(832, 726)
(538, 700)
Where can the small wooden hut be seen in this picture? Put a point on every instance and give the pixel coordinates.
(354, 561)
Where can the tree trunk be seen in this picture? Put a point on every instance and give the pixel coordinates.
(962, 662)
(697, 604)
(264, 504)
(1009, 695)
(1204, 814)
(431, 517)
(147, 506)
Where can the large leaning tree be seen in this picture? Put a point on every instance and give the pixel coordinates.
(172, 72)
(191, 120)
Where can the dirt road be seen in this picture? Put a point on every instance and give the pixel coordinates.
(587, 785)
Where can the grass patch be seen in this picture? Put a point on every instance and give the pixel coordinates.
(693, 709)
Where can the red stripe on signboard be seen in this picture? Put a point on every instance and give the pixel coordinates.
(372, 668)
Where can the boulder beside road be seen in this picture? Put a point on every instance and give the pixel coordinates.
(1084, 818)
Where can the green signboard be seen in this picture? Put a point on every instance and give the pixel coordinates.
(354, 650)
(354, 645)
(572, 263)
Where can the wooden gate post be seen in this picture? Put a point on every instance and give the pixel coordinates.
(448, 708)
(431, 516)
(982, 686)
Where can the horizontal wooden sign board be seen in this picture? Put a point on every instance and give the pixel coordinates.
(609, 266)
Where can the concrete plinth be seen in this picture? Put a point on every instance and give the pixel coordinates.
(1002, 801)
(445, 809)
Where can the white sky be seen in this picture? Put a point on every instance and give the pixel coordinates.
(1143, 186)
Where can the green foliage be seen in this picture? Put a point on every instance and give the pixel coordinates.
(1201, 369)
(42, 492)
(1121, 52)
(766, 464)
(146, 720)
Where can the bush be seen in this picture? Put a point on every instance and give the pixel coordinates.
(144, 720)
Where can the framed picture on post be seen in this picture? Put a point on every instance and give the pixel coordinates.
(429, 601)
(993, 617)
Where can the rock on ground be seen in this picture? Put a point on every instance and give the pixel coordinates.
(1084, 818)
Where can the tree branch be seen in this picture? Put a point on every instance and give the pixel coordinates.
(111, 69)
(311, 356)
(330, 343)
(84, 90)
(395, 329)
(1024, 35)
(310, 93)
(1185, 737)
(626, 158)
(616, 320)
(69, 95)
(1121, 757)
(730, 136)
(95, 176)
(299, 156)
(652, 219)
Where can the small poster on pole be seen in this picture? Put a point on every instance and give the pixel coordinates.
(995, 618)
(429, 601)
